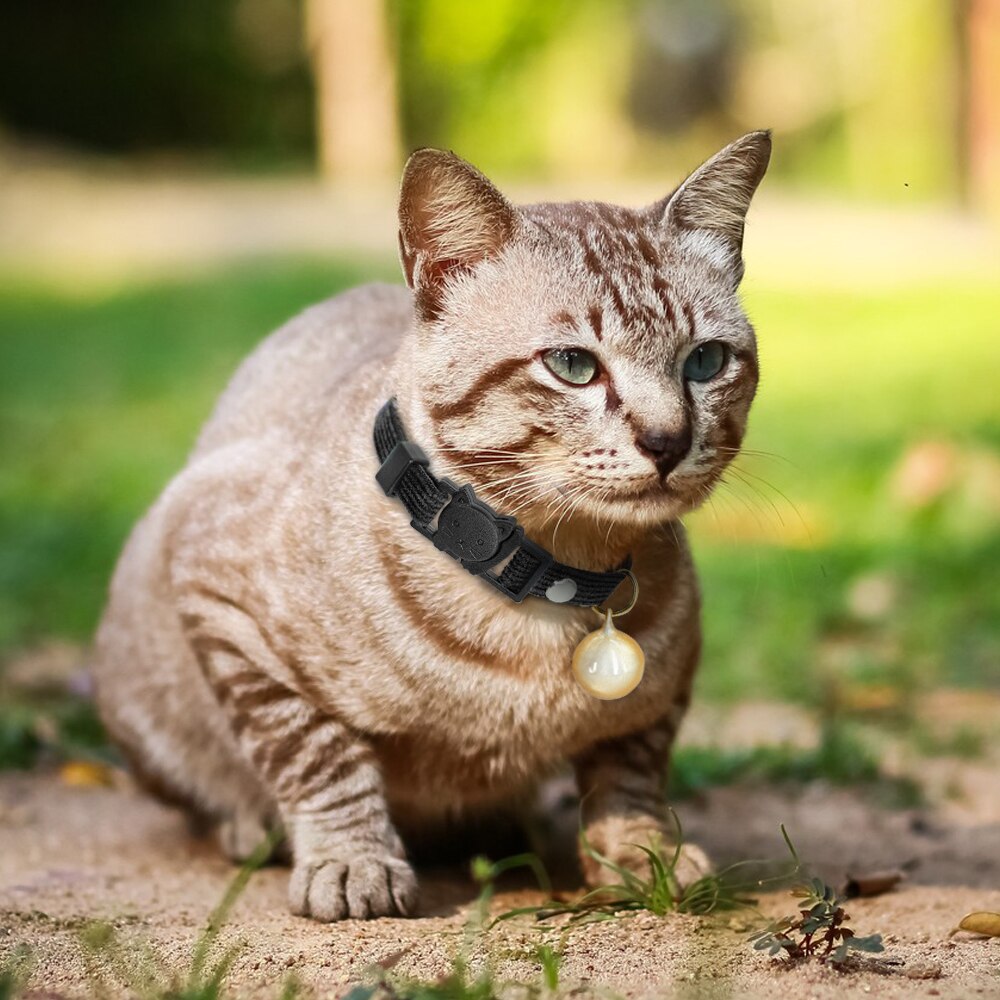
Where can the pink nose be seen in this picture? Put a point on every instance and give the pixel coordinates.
(665, 448)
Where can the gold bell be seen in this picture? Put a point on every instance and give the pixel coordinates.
(608, 664)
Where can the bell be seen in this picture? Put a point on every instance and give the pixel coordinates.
(608, 664)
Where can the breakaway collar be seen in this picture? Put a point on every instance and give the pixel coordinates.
(471, 531)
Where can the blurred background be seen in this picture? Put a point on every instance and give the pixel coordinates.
(179, 176)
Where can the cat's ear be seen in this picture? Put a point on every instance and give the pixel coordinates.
(714, 200)
(450, 219)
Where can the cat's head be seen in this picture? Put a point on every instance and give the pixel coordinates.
(582, 359)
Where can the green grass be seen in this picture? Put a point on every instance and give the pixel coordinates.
(849, 382)
(54, 726)
(841, 757)
(100, 401)
(101, 397)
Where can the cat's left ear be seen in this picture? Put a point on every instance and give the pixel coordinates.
(451, 218)
(713, 202)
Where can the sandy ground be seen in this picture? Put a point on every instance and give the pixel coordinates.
(69, 855)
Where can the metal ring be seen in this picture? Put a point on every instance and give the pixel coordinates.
(631, 604)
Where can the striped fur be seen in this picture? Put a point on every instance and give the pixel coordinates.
(280, 647)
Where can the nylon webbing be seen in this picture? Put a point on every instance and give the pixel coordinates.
(531, 570)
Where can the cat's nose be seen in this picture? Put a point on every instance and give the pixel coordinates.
(665, 447)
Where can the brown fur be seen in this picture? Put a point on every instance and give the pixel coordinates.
(280, 645)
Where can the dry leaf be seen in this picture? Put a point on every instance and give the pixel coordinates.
(981, 922)
(85, 774)
(872, 883)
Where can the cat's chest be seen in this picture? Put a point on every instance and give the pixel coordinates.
(510, 709)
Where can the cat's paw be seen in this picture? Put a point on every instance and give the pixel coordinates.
(362, 887)
(240, 837)
(620, 839)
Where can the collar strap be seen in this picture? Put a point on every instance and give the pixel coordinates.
(472, 532)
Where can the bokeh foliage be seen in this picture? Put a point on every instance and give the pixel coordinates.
(227, 77)
(866, 98)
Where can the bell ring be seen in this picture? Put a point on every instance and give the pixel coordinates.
(608, 664)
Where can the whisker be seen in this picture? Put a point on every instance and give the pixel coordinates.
(784, 496)
(756, 453)
(741, 476)
(572, 509)
(754, 512)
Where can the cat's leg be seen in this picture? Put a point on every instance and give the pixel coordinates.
(622, 785)
(348, 860)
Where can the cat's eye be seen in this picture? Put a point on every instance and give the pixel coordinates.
(705, 361)
(571, 364)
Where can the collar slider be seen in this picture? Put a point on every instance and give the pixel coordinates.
(398, 462)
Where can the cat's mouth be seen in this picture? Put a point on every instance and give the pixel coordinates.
(652, 499)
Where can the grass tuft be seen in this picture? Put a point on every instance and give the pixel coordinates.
(14, 972)
(660, 892)
(145, 973)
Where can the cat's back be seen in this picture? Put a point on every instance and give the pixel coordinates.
(289, 378)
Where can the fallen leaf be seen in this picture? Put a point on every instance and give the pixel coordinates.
(981, 922)
(85, 774)
(872, 883)
(872, 698)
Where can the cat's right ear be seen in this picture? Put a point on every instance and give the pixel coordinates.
(451, 218)
(713, 202)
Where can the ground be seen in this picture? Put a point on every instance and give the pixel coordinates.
(72, 855)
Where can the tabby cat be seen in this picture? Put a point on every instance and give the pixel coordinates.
(281, 647)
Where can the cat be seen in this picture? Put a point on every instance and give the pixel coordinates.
(281, 647)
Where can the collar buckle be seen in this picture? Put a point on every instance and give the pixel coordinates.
(471, 531)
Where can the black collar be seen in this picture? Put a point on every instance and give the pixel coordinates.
(472, 532)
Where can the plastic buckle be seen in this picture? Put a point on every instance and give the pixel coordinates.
(545, 561)
(397, 463)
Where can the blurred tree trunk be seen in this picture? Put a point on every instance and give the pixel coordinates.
(356, 116)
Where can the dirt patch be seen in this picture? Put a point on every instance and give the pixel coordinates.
(70, 855)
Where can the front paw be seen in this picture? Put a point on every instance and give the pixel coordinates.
(363, 886)
(620, 839)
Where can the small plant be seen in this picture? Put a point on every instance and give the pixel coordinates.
(14, 972)
(820, 930)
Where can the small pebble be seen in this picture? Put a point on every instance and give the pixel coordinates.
(928, 970)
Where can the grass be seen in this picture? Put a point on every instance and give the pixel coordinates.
(100, 400)
(849, 383)
(51, 727)
(841, 757)
(147, 975)
(101, 397)
(658, 891)
(15, 971)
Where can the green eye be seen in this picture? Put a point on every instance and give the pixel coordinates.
(571, 365)
(705, 361)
